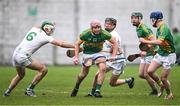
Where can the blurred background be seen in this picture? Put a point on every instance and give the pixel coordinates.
(72, 17)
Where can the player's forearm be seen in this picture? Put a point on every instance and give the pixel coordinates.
(115, 49)
(76, 50)
(62, 44)
(158, 42)
(67, 45)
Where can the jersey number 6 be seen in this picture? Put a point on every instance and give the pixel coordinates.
(30, 36)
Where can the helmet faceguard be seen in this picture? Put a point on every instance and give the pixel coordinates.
(47, 24)
(136, 18)
(110, 21)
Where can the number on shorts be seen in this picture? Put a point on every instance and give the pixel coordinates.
(30, 36)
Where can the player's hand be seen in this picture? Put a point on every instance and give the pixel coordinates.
(113, 58)
(76, 60)
(143, 53)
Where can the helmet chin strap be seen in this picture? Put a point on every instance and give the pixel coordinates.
(155, 23)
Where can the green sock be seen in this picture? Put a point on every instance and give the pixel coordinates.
(31, 86)
(98, 87)
(77, 86)
(168, 91)
(93, 91)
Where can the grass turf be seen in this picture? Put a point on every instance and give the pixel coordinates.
(56, 87)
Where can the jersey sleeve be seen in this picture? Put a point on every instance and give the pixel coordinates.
(147, 31)
(144, 32)
(107, 35)
(49, 38)
(84, 34)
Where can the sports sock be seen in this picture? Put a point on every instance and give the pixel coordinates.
(77, 86)
(31, 86)
(8, 90)
(127, 80)
(168, 91)
(98, 87)
(154, 89)
(93, 91)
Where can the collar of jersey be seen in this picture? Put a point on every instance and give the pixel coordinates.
(140, 24)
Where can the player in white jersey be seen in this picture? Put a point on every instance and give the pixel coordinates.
(117, 66)
(34, 39)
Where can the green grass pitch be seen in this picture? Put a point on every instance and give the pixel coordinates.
(55, 88)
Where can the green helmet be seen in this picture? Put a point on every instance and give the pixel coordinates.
(137, 14)
(111, 20)
(46, 23)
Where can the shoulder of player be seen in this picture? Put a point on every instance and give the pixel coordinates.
(145, 27)
(86, 31)
(114, 33)
(104, 32)
(163, 26)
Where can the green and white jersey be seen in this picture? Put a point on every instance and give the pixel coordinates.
(164, 34)
(33, 40)
(94, 43)
(143, 31)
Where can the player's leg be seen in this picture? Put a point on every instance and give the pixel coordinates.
(115, 81)
(20, 75)
(166, 83)
(100, 78)
(151, 72)
(150, 81)
(95, 82)
(117, 69)
(141, 70)
(84, 72)
(42, 71)
(93, 89)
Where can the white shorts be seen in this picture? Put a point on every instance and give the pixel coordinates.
(21, 60)
(166, 61)
(117, 67)
(91, 56)
(146, 60)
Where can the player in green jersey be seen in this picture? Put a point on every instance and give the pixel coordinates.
(93, 40)
(116, 67)
(144, 32)
(165, 56)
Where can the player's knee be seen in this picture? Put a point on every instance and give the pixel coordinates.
(21, 75)
(163, 79)
(146, 75)
(102, 71)
(44, 70)
(150, 72)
